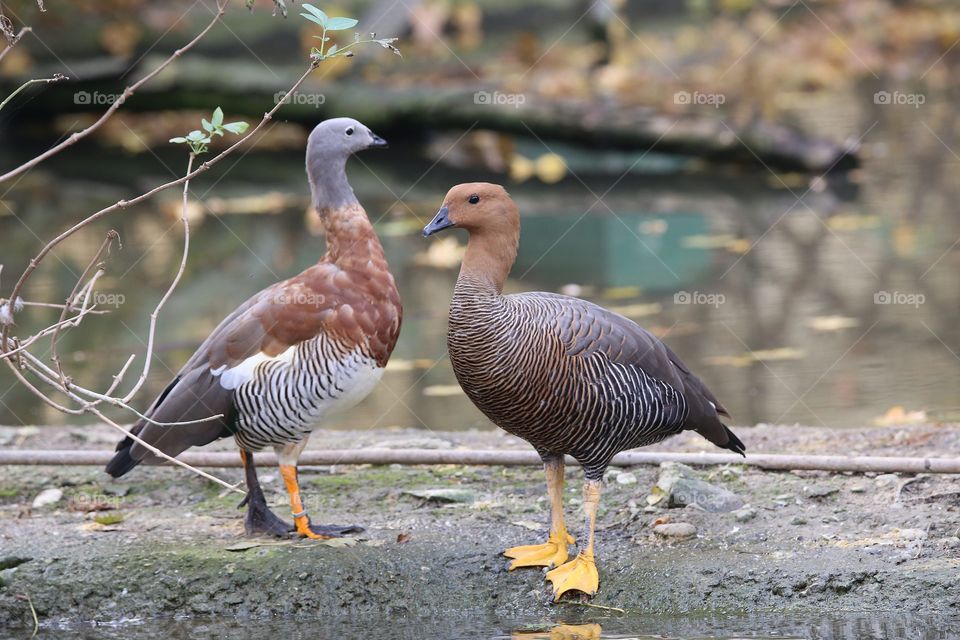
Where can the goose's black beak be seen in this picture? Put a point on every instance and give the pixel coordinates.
(440, 222)
(377, 142)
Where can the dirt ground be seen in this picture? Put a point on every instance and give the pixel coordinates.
(169, 544)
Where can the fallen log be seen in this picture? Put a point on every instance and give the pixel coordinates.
(327, 457)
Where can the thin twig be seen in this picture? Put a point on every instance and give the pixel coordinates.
(594, 606)
(129, 91)
(57, 77)
(151, 335)
(13, 42)
(123, 204)
(33, 612)
(104, 247)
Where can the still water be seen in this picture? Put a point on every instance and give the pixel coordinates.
(798, 300)
(715, 627)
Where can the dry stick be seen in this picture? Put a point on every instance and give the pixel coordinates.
(95, 411)
(104, 246)
(512, 458)
(56, 78)
(122, 204)
(23, 31)
(148, 357)
(129, 91)
(49, 376)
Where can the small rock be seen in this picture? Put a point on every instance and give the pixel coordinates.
(953, 542)
(783, 497)
(443, 495)
(681, 487)
(858, 488)
(675, 530)
(626, 478)
(820, 490)
(886, 480)
(798, 520)
(47, 497)
(910, 534)
(745, 514)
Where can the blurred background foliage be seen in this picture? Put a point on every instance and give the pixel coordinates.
(740, 148)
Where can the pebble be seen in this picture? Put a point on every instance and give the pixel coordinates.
(745, 514)
(675, 530)
(953, 542)
(47, 497)
(820, 490)
(858, 488)
(798, 520)
(886, 480)
(626, 478)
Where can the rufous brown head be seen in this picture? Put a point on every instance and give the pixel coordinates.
(476, 206)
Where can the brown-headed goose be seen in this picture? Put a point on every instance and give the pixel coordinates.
(564, 374)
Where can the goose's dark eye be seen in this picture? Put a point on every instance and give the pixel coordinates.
(473, 199)
(349, 131)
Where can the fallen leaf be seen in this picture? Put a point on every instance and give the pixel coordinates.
(244, 545)
(339, 543)
(403, 537)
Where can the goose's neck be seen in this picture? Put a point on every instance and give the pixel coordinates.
(487, 262)
(329, 187)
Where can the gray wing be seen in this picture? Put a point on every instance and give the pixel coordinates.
(586, 328)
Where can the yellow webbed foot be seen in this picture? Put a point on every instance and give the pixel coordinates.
(552, 553)
(579, 574)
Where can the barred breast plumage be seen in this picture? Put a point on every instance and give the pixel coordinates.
(293, 353)
(564, 374)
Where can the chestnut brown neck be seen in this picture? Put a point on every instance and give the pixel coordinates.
(351, 239)
(489, 257)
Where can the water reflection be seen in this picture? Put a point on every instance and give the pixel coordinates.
(874, 626)
(772, 288)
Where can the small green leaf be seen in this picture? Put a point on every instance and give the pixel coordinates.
(178, 140)
(236, 127)
(206, 125)
(332, 50)
(339, 24)
(315, 15)
(217, 117)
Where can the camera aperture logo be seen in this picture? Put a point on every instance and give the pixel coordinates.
(309, 99)
(95, 98)
(699, 98)
(900, 298)
(899, 98)
(698, 297)
(499, 98)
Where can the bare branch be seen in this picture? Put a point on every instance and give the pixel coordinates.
(129, 91)
(123, 204)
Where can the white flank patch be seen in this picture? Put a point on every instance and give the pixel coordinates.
(237, 375)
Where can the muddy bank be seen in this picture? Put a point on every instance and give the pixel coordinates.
(172, 544)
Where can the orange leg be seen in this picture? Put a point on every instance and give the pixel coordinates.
(300, 518)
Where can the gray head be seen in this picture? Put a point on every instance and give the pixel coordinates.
(330, 144)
